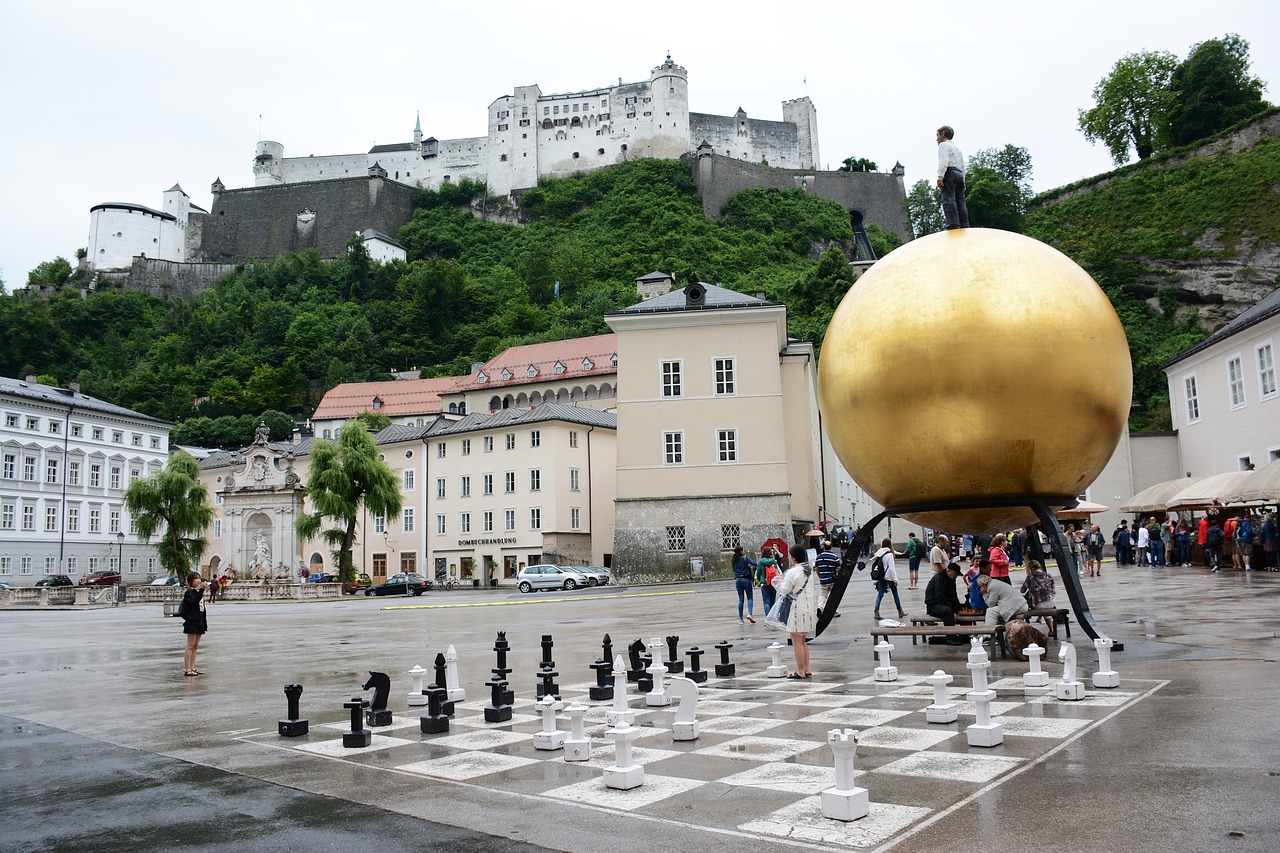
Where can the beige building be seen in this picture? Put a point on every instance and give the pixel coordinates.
(718, 430)
(575, 372)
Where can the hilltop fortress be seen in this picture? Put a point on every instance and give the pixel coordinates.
(318, 202)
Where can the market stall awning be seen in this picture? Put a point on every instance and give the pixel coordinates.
(1260, 486)
(1084, 509)
(1208, 492)
(1156, 498)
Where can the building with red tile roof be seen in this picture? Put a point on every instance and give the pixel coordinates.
(577, 372)
(412, 401)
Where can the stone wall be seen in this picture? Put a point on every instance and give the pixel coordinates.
(748, 139)
(879, 196)
(163, 279)
(269, 221)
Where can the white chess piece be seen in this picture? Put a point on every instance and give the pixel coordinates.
(1035, 682)
(943, 710)
(657, 697)
(1105, 677)
(620, 714)
(983, 732)
(845, 801)
(886, 671)
(577, 746)
(549, 738)
(416, 696)
(685, 725)
(624, 774)
(455, 692)
(1069, 689)
(776, 669)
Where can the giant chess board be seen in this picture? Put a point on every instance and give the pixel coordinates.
(762, 752)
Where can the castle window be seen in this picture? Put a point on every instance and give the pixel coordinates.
(600, 151)
(546, 111)
(557, 109)
(575, 155)
(503, 158)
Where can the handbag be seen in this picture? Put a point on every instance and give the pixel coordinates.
(781, 611)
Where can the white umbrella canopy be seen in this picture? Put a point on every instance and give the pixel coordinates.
(1208, 492)
(1156, 498)
(1084, 509)
(1260, 486)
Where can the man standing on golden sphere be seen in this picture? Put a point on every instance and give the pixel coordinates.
(951, 180)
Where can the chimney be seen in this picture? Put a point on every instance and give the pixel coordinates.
(31, 379)
(74, 386)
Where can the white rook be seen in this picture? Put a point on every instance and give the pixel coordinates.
(549, 737)
(657, 671)
(1035, 681)
(455, 693)
(845, 801)
(943, 710)
(776, 669)
(1105, 676)
(577, 746)
(624, 774)
(620, 714)
(886, 671)
(416, 696)
(983, 732)
(1069, 688)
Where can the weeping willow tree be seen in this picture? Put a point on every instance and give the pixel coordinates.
(173, 505)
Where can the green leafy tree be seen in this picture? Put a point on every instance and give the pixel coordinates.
(173, 505)
(924, 208)
(345, 477)
(1132, 105)
(827, 285)
(1213, 89)
(373, 421)
(856, 164)
(56, 272)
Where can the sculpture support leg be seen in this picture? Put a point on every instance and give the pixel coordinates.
(1067, 569)
(847, 567)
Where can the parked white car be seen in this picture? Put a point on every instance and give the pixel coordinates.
(548, 577)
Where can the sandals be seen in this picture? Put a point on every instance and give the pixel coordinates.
(192, 673)
(795, 676)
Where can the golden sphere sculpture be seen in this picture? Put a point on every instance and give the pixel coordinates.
(974, 365)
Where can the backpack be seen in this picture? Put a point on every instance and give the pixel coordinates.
(1213, 538)
(877, 568)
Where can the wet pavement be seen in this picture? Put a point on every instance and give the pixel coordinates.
(105, 746)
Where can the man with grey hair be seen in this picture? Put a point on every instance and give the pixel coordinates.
(951, 171)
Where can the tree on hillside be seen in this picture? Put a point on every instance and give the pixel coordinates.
(998, 187)
(1213, 90)
(924, 208)
(344, 478)
(1131, 105)
(174, 505)
(56, 273)
(856, 164)
(826, 285)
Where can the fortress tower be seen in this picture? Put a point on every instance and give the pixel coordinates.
(669, 91)
(804, 115)
(268, 164)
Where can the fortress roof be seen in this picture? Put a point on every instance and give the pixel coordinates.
(129, 206)
(395, 146)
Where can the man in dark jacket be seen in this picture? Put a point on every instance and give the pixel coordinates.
(941, 601)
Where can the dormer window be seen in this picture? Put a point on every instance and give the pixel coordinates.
(377, 403)
(586, 364)
(506, 374)
(613, 361)
(560, 368)
(481, 378)
(533, 371)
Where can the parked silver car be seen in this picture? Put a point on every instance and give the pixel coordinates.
(548, 577)
(595, 575)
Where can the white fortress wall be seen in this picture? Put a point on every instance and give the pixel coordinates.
(752, 140)
(118, 233)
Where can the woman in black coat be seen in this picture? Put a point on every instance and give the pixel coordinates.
(194, 623)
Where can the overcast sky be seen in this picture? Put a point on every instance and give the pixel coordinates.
(117, 101)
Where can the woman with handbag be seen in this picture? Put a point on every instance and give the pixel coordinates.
(798, 595)
(194, 623)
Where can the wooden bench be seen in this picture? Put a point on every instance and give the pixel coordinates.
(1061, 616)
(913, 631)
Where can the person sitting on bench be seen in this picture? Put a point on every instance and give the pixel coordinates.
(941, 601)
(1003, 603)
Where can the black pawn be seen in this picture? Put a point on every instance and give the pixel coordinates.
(548, 687)
(673, 663)
(497, 711)
(607, 650)
(447, 708)
(603, 689)
(359, 736)
(293, 727)
(435, 721)
(695, 673)
(724, 669)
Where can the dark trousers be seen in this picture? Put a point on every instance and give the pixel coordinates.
(953, 205)
(943, 612)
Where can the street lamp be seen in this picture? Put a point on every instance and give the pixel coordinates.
(120, 553)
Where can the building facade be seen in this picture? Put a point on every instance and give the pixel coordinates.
(66, 460)
(120, 231)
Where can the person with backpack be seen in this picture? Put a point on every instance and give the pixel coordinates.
(1213, 539)
(885, 575)
(914, 550)
(1244, 540)
(826, 564)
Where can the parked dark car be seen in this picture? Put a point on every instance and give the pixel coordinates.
(322, 578)
(55, 580)
(395, 585)
(106, 577)
(362, 581)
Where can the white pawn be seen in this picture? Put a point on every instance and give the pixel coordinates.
(549, 737)
(577, 746)
(845, 801)
(1069, 689)
(416, 696)
(657, 697)
(685, 725)
(624, 774)
(455, 693)
(943, 710)
(776, 669)
(886, 671)
(620, 714)
(1035, 682)
(983, 732)
(1105, 676)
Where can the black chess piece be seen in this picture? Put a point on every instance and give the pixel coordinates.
(378, 714)
(435, 721)
(607, 650)
(293, 726)
(603, 689)
(359, 736)
(673, 663)
(501, 671)
(635, 653)
(548, 686)
(547, 644)
(447, 708)
(497, 711)
(724, 669)
(695, 672)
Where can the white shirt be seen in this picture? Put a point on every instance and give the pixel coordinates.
(1144, 537)
(949, 155)
(890, 571)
